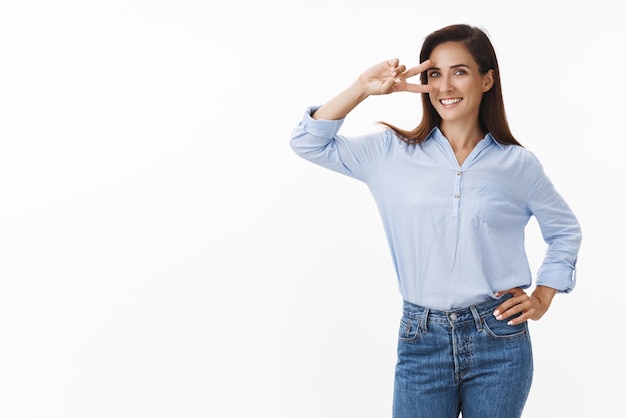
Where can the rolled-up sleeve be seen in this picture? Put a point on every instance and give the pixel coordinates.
(560, 230)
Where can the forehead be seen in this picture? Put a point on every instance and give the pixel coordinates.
(451, 53)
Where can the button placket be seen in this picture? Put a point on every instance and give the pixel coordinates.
(457, 193)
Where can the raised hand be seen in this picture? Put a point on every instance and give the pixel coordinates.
(383, 78)
(390, 76)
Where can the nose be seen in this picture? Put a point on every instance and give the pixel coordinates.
(445, 84)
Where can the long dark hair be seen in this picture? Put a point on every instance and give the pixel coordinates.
(492, 117)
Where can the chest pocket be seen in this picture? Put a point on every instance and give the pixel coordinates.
(493, 202)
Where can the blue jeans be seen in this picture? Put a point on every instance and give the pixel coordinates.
(461, 361)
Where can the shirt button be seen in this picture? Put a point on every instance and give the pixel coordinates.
(456, 196)
(453, 316)
(458, 173)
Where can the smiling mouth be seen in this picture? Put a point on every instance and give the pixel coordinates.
(450, 102)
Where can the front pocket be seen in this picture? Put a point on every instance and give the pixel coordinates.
(409, 329)
(501, 330)
(492, 202)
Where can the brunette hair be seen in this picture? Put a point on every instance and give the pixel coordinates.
(492, 117)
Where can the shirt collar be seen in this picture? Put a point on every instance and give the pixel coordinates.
(436, 134)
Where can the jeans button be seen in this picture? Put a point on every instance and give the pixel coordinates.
(453, 316)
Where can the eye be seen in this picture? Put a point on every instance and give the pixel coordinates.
(434, 74)
(460, 71)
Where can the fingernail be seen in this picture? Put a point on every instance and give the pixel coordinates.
(510, 323)
(496, 313)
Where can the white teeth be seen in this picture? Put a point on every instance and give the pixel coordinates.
(448, 102)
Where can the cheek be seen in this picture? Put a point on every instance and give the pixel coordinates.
(434, 82)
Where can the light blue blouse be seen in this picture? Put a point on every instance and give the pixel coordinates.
(456, 232)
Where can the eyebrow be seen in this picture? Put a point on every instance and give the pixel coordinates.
(452, 66)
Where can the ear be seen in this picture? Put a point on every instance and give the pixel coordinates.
(488, 81)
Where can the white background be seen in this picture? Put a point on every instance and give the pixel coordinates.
(164, 253)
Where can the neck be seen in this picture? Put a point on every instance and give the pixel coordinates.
(462, 137)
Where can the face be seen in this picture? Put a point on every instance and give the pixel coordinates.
(458, 85)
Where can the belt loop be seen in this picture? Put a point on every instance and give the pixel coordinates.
(424, 321)
(477, 320)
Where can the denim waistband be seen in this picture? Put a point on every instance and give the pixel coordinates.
(455, 316)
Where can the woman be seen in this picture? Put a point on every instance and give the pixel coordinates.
(454, 195)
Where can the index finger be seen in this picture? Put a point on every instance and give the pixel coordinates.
(420, 68)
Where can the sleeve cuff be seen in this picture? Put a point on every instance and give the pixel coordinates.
(320, 127)
(558, 277)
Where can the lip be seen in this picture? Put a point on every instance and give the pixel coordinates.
(450, 101)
